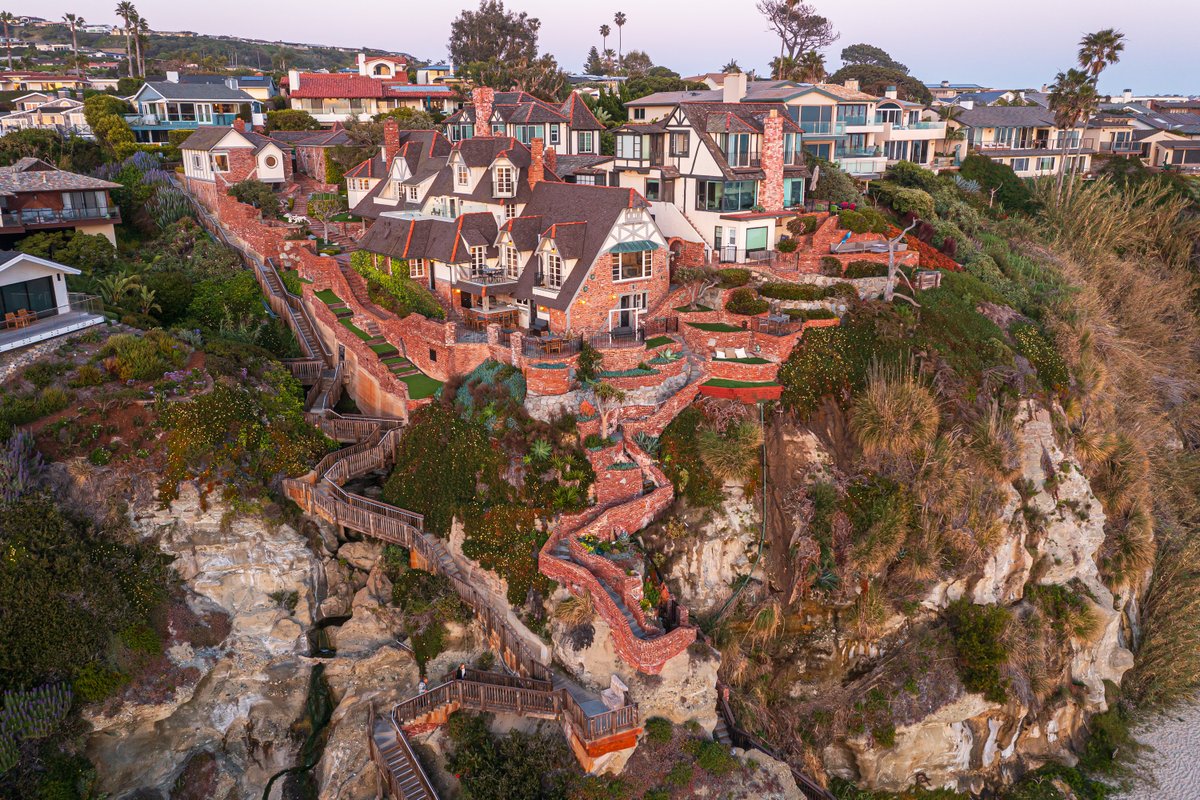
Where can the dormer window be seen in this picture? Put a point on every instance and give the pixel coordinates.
(414, 193)
(510, 211)
(505, 181)
(552, 270)
(462, 176)
(629, 146)
(512, 261)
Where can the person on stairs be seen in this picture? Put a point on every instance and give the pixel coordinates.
(461, 672)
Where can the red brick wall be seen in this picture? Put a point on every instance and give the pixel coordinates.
(589, 311)
(686, 253)
(483, 98)
(537, 165)
(547, 380)
(617, 485)
(734, 371)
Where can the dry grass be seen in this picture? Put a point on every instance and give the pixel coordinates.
(733, 453)
(993, 443)
(895, 415)
(575, 611)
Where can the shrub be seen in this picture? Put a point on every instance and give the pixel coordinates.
(22, 409)
(681, 460)
(863, 220)
(397, 293)
(713, 757)
(978, 640)
(1043, 355)
(786, 246)
(832, 361)
(831, 267)
(258, 194)
(658, 730)
(1013, 193)
(86, 375)
(733, 453)
(679, 775)
(906, 174)
(801, 226)
(588, 363)
(142, 358)
(746, 301)
(865, 269)
(903, 200)
(732, 277)
(793, 291)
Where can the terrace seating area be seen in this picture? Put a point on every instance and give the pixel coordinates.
(23, 327)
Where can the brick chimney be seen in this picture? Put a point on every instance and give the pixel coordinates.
(771, 196)
(483, 98)
(239, 125)
(537, 164)
(391, 139)
(550, 159)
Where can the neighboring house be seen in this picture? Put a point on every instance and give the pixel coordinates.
(36, 196)
(39, 82)
(1026, 139)
(380, 85)
(223, 156)
(991, 97)
(945, 90)
(60, 114)
(573, 258)
(568, 129)
(165, 106)
(310, 150)
(260, 87)
(713, 80)
(35, 304)
(722, 173)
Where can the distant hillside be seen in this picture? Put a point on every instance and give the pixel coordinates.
(166, 51)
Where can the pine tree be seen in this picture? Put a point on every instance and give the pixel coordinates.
(593, 65)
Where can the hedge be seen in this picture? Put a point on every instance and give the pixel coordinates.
(732, 277)
(746, 301)
(866, 269)
(794, 291)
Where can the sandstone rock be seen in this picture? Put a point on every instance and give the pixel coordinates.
(685, 689)
(361, 555)
(772, 771)
(705, 563)
(378, 586)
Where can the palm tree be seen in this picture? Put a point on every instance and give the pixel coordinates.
(783, 68)
(1072, 98)
(609, 58)
(619, 18)
(116, 287)
(731, 67)
(75, 22)
(141, 30)
(812, 67)
(7, 19)
(127, 12)
(604, 33)
(1096, 52)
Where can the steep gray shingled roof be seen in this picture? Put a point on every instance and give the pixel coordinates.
(1007, 117)
(35, 175)
(199, 91)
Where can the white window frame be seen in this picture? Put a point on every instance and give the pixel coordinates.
(462, 175)
(416, 268)
(504, 179)
(510, 211)
(646, 264)
(478, 260)
(414, 193)
(627, 141)
(554, 134)
(512, 261)
(552, 270)
(217, 159)
(587, 180)
(585, 141)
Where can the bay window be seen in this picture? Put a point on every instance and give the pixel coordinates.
(632, 266)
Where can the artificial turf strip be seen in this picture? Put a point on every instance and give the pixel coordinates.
(716, 327)
(752, 360)
(327, 297)
(420, 385)
(384, 350)
(357, 331)
(725, 383)
(658, 341)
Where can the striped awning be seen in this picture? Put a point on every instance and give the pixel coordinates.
(634, 247)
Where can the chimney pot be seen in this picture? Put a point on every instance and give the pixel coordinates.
(239, 125)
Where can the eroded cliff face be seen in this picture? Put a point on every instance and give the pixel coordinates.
(240, 719)
(1051, 536)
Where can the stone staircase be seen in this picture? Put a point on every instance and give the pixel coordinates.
(562, 552)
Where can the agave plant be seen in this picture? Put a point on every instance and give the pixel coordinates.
(540, 449)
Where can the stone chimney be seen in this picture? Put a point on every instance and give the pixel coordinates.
(734, 87)
(239, 125)
(537, 164)
(852, 84)
(771, 195)
(293, 80)
(891, 93)
(391, 139)
(482, 99)
(945, 84)
(550, 159)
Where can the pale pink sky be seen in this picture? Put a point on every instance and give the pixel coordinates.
(1014, 43)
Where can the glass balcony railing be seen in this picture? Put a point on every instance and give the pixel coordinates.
(823, 128)
(54, 216)
(855, 120)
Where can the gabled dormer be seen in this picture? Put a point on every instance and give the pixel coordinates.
(504, 178)
(462, 177)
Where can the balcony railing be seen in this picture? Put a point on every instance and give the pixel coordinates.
(915, 126)
(155, 121)
(1128, 148)
(856, 120)
(1039, 144)
(823, 128)
(24, 328)
(26, 217)
(858, 152)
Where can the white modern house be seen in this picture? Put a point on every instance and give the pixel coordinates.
(35, 303)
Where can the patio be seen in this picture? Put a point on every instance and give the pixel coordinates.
(39, 330)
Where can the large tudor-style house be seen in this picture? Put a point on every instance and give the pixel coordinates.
(36, 196)
(487, 225)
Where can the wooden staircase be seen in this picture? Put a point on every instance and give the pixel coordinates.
(392, 753)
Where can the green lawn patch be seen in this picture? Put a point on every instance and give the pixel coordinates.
(658, 341)
(749, 360)
(304, 280)
(357, 331)
(716, 327)
(725, 383)
(420, 385)
(327, 297)
(384, 350)
(699, 308)
(346, 216)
